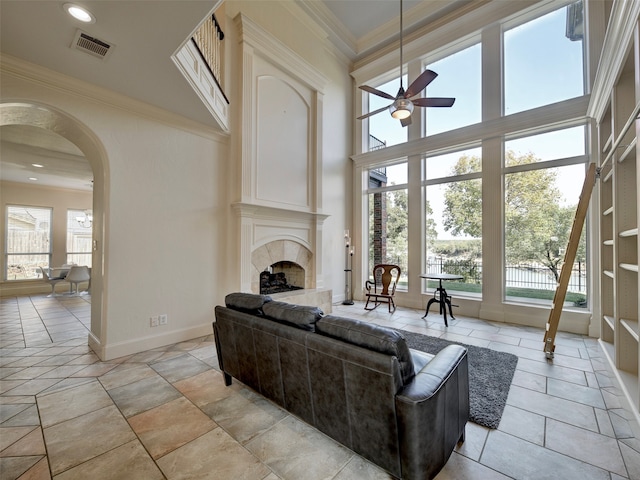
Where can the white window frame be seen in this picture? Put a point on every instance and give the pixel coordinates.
(7, 254)
(486, 22)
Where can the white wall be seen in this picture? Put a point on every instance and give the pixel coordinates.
(167, 193)
(165, 212)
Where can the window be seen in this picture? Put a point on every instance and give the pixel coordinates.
(541, 196)
(388, 218)
(543, 60)
(28, 242)
(79, 237)
(453, 218)
(460, 77)
(495, 197)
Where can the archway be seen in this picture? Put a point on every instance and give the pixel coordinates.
(50, 118)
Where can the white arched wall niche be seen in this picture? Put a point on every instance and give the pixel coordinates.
(50, 118)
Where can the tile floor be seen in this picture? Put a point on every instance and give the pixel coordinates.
(166, 413)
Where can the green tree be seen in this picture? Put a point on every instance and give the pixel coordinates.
(537, 227)
(463, 201)
(431, 233)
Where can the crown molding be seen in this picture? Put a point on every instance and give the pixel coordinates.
(334, 29)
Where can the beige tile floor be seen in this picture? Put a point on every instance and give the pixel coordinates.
(166, 413)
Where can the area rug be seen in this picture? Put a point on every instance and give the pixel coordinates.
(490, 375)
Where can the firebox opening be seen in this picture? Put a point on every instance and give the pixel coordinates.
(281, 277)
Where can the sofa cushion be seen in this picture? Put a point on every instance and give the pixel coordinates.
(301, 316)
(374, 337)
(246, 302)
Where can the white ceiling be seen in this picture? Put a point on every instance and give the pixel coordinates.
(145, 34)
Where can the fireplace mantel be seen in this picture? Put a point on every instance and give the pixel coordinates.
(262, 227)
(253, 210)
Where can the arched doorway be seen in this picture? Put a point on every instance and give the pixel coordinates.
(50, 118)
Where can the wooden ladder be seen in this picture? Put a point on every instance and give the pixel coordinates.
(567, 266)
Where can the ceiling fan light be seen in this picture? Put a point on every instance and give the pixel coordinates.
(401, 108)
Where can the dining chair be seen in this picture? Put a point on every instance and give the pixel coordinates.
(76, 275)
(51, 281)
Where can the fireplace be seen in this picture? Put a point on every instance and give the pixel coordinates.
(277, 224)
(288, 264)
(281, 277)
(282, 258)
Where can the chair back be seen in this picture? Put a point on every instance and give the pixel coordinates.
(78, 274)
(45, 275)
(386, 276)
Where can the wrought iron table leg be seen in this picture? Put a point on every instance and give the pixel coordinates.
(428, 305)
(443, 304)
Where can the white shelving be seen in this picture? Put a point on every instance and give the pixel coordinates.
(615, 105)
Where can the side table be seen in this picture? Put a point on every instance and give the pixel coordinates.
(440, 295)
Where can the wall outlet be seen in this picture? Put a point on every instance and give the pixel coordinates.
(153, 321)
(163, 319)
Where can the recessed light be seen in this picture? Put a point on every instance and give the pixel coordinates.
(79, 13)
(37, 165)
(33, 179)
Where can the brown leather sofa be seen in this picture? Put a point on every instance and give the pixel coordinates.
(359, 383)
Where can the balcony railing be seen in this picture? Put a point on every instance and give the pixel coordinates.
(375, 143)
(201, 62)
(529, 276)
(208, 40)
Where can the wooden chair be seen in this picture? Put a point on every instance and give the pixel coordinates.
(383, 287)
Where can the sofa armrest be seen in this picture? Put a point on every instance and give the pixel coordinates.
(432, 412)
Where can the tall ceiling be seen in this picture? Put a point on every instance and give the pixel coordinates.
(145, 34)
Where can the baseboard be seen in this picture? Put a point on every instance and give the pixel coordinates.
(130, 347)
(96, 346)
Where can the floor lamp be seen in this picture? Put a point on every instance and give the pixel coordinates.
(348, 262)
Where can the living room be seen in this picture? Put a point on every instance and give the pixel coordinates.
(180, 207)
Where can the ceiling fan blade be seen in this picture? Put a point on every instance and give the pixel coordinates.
(434, 102)
(373, 113)
(366, 88)
(424, 79)
(406, 121)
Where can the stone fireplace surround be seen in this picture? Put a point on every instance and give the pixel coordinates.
(269, 235)
(281, 251)
(290, 251)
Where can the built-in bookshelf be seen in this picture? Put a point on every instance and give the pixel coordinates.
(615, 106)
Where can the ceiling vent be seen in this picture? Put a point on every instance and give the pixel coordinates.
(91, 45)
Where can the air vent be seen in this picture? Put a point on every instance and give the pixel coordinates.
(91, 45)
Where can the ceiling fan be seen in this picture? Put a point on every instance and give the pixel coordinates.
(402, 105)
